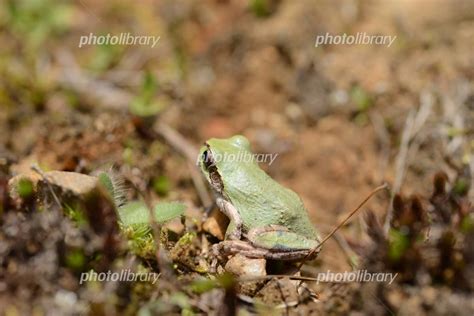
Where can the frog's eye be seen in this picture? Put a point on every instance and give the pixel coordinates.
(205, 156)
(241, 141)
(207, 159)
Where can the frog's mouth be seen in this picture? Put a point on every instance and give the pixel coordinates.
(211, 168)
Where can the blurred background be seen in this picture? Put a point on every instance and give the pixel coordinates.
(342, 118)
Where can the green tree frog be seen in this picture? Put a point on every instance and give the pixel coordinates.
(267, 220)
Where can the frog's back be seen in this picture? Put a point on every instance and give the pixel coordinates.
(266, 202)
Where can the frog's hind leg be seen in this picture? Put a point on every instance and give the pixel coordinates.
(234, 230)
(278, 243)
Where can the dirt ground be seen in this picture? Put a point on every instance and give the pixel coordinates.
(343, 119)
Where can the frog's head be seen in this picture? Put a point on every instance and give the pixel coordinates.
(219, 154)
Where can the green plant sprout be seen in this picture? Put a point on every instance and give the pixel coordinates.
(134, 216)
(146, 104)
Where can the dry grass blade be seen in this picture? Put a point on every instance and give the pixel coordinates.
(400, 165)
(413, 125)
(382, 187)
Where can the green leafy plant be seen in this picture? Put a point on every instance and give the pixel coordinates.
(25, 188)
(134, 216)
(137, 213)
(146, 104)
(36, 20)
(161, 185)
(399, 243)
(361, 98)
(260, 8)
(105, 56)
(363, 102)
(202, 285)
(115, 186)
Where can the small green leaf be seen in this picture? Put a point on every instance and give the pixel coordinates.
(136, 212)
(260, 8)
(227, 280)
(105, 56)
(203, 285)
(168, 211)
(75, 260)
(114, 186)
(361, 98)
(187, 239)
(399, 243)
(145, 104)
(161, 185)
(180, 299)
(143, 108)
(453, 131)
(75, 213)
(106, 181)
(467, 224)
(461, 187)
(25, 188)
(128, 156)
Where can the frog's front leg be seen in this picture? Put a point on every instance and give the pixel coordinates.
(234, 230)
